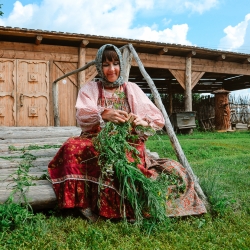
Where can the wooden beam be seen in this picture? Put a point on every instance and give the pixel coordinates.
(33, 55)
(221, 67)
(220, 57)
(191, 53)
(196, 76)
(84, 43)
(38, 39)
(179, 75)
(163, 51)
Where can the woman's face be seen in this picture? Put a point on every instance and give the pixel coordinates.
(111, 70)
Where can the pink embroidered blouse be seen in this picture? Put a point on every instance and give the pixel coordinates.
(88, 113)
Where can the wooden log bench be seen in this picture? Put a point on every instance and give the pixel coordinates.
(41, 143)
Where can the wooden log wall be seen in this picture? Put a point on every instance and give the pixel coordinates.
(61, 60)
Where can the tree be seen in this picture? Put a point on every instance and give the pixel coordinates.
(1, 13)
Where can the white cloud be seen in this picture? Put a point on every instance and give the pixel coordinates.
(200, 6)
(144, 4)
(177, 34)
(192, 6)
(20, 15)
(235, 35)
(110, 18)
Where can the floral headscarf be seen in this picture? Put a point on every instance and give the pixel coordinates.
(98, 64)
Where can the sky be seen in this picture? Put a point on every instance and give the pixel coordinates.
(212, 24)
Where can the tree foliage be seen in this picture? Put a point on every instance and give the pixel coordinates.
(1, 13)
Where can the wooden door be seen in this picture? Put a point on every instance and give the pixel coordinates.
(32, 93)
(7, 92)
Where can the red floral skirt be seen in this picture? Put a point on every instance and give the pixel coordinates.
(74, 172)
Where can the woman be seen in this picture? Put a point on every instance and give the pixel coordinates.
(75, 172)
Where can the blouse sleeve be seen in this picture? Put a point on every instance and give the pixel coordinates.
(141, 105)
(88, 113)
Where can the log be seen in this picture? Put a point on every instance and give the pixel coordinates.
(188, 82)
(38, 39)
(41, 195)
(127, 58)
(174, 141)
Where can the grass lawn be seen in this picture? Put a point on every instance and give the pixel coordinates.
(221, 161)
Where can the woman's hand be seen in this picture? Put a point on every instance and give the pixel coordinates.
(114, 115)
(137, 120)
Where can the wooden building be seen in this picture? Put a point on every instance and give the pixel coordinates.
(30, 60)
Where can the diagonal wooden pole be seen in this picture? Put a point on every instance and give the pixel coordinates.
(174, 141)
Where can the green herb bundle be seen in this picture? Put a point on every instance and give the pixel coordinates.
(144, 194)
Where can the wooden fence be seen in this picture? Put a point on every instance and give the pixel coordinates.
(205, 110)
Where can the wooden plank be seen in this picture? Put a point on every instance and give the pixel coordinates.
(33, 170)
(41, 48)
(9, 175)
(31, 55)
(8, 92)
(37, 133)
(37, 153)
(14, 163)
(19, 143)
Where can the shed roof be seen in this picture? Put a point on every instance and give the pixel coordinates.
(162, 76)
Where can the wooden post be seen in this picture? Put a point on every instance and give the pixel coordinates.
(81, 63)
(170, 95)
(188, 83)
(174, 141)
(222, 110)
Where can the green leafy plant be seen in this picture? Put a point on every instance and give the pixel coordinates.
(16, 209)
(144, 194)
